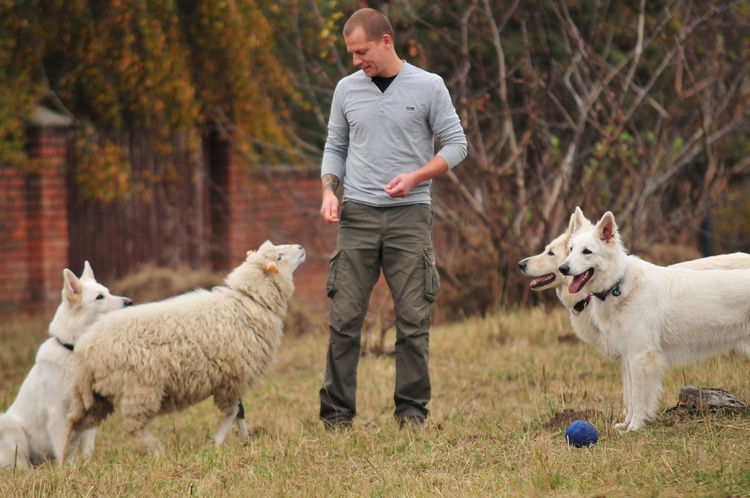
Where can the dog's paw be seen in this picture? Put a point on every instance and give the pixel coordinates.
(621, 427)
(635, 426)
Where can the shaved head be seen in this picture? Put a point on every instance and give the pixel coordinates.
(372, 22)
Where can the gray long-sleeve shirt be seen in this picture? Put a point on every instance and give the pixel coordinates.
(374, 136)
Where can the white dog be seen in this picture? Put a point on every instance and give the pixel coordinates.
(34, 428)
(654, 317)
(545, 273)
(544, 270)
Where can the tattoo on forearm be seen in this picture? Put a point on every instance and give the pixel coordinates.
(330, 181)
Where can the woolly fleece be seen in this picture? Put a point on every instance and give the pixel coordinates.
(160, 357)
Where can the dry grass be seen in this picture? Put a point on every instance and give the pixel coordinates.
(154, 283)
(497, 382)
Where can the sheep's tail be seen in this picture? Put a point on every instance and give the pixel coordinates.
(84, 386)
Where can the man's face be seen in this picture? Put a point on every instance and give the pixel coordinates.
(369, 56)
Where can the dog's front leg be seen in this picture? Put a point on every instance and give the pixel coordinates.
(743, 348)
(57, 429)
(626, 390)
(646, 369)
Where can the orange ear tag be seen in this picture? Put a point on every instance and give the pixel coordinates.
(272, 268)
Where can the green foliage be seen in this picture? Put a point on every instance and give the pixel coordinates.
(234, 67)
(157, 65)
(104, 171)
(19, 86)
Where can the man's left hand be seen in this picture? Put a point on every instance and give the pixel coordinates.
(400, 186)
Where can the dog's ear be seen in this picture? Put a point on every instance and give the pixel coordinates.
(607, 227)
(577, 221)
(72, 286)
(571, 224)
(88, 273)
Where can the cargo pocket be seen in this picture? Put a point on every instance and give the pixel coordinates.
(431, 277)
(333, 266)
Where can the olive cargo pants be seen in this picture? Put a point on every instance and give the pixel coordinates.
(397, 240)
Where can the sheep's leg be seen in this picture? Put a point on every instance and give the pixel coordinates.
(137, 412)
(135, 428)
(236, 412)
(223, 430)
(241, 425)
(88, 440)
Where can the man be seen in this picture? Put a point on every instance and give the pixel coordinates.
(381, 131)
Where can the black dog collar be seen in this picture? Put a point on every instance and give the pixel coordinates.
(67, 346)
(581, 305)
(614, 290)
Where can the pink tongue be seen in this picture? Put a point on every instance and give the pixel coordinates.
(577, 283)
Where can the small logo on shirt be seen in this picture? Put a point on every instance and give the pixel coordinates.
(409, 108)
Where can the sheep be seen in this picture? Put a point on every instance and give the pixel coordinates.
(161, 357)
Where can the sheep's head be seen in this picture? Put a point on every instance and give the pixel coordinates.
(275, 259)
(267, 275)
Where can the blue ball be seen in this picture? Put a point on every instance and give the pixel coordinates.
(581, 433)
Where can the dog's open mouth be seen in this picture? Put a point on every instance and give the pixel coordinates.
(580, 280)
(542, 281)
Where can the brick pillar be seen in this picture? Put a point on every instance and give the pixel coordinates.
(243, 226)
(14, 270)
(46, 197)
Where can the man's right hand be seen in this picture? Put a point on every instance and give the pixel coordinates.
(329, 210)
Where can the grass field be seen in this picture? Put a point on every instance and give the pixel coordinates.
(497, 384)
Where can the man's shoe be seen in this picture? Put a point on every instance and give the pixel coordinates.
(338, 423)
(416, 421)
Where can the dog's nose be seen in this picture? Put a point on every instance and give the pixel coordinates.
(522, 265)
(564, 269)
(127, 302)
